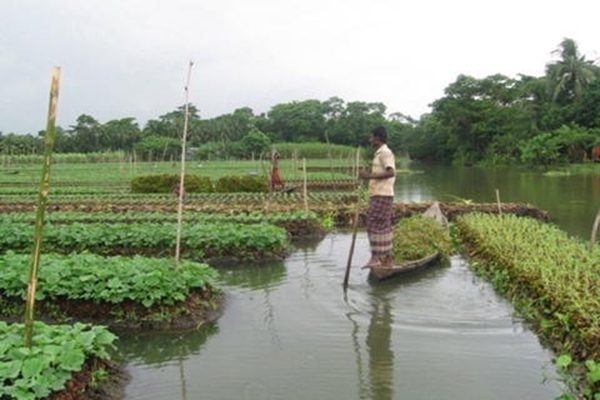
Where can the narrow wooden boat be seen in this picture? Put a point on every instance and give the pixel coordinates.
(382, 273)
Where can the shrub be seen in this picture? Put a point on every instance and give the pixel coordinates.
(251, 184)
(166, 183)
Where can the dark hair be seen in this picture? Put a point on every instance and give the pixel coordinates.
(380, 133)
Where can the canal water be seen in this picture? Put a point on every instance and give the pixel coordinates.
(289, 332)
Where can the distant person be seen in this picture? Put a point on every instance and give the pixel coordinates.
(276, 181)
(381, 200)
(596, 153)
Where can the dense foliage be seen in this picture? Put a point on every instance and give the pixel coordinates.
(57, 352)
(160, 217)
(554, 277)
(418, 236)
(85, 276)
(241, 184)
(168, 183)
(206, 240)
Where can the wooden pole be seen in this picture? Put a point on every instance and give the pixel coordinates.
(498, 202)
(354, 225)
(305, 178)
(595, 230)
(49, 139)
(182, 175)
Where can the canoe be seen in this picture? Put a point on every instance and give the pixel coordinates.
(382, 273)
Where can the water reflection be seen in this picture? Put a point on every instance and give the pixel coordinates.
(159, 349)
(381, 356)
(253, 276)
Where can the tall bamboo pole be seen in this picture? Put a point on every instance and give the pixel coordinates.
(305, 186)
(595, 230)
(354, 222)
(182, 176)
(41, 206)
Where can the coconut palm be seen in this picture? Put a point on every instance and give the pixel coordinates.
(572, 73)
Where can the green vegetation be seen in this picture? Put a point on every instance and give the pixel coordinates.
(242, 184)
(162, 217)
(199, 241)
(57, 352)
(148, 281)
(552, 278)
(418, 236)
(167, 183)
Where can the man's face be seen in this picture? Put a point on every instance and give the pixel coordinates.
(373, 141)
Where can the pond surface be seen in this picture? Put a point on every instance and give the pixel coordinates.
(571, 201)
(288, 331)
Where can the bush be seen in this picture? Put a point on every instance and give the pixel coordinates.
(166, 183)
(251, 184)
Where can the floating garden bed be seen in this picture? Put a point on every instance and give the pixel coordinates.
(553, 279)
(297, 223)
(120, 292)
(199, 241)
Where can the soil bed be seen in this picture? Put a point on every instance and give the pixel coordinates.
(199, 308)
(110, 388)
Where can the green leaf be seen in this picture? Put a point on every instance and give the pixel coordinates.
(564, 361)
(71, 359)
(33, 366)
(10, 369)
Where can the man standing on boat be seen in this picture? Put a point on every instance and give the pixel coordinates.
(381, 200)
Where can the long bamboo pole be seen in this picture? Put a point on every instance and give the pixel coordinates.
(354, 225)
(182, 175)
(49, 139)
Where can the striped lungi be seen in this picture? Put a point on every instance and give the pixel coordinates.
(379, 225)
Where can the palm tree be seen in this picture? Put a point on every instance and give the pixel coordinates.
(572, 73)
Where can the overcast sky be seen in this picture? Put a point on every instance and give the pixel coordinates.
(129, 58)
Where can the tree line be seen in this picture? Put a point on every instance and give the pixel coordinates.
(493, 120)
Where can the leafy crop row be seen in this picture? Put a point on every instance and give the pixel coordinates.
(547, 271)
(218, 239)
(192, 198)
(149, 281)
(145, 217)
(57, 352)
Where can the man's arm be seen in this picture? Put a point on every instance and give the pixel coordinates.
(388, 173)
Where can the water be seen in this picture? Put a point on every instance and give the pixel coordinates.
(571, 201)
(288, 331)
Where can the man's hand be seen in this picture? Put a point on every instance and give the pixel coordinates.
(364, 174)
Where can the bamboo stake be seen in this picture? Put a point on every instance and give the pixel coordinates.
(595, 230)
(49, 140)
(498, 201)
(354, 225)
(305, 191)
(182, 176)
